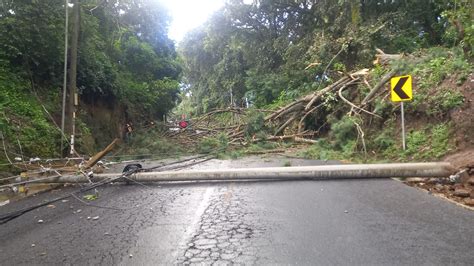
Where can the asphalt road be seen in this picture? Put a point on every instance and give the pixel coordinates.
(365, 222)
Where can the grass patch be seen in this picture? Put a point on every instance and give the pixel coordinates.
(151, 144)
(437, 65)
(429, 143)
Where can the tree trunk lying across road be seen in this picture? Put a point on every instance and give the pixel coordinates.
(344, 171)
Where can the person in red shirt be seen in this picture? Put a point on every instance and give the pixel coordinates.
(183, 123)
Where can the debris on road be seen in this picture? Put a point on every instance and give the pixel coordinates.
(460, 192)
(469, 202)
(94, 185)
(90, 197)
(39, 171)
(40, 221)
(458, 187)
(470, 181)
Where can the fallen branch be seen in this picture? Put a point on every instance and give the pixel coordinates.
(384, 59)
(300, 124)
(353, 105)
(377, 87)
(265, 151)
(311, 141)
(287, 123)
(318, 94)
(361, 134)
(101, 154)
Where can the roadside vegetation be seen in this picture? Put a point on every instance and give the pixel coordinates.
(127, 71)
(253, 53)
(245, 63)
(441, 78)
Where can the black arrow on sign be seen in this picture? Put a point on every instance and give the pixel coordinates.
(398, 88)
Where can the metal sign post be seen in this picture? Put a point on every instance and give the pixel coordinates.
(403, 126)
(401, 91)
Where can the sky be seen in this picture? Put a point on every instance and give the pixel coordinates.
(189, 14)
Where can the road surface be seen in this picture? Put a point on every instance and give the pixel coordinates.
(365, 222)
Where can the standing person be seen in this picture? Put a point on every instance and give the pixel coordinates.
(128, 131)
(183, 123)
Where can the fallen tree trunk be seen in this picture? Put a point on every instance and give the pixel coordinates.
(378, 86)
(303, 140)
(384, 59)
(291, 118)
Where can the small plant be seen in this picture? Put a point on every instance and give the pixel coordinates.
(440, 141)
(255, 124)
(451, 99)
(235, 154)
(383, 141)
(339, 67)
(430, 143)
(343, 131)
(218, 144)
(417, 143)
(208, 145)
(287, 164)
(90, 197)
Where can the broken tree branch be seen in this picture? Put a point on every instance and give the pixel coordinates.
(351, 104)
(377, 87)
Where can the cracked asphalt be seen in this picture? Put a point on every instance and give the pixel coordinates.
(346, 222)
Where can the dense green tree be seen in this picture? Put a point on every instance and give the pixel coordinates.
(32, 37)
(125, 59)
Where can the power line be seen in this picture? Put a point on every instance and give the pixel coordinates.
(15, 214)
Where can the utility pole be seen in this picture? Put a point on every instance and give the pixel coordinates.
(66, 39)
(232, 103)
(73, 100)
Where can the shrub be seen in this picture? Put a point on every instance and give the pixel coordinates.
(440, 141)
(255, 124)
(343, 131)
(216, 144)
(22, 118)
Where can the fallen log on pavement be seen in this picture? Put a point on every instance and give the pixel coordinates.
(324, 172)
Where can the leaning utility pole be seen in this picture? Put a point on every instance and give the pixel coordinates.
(73, 100)
(66, 40)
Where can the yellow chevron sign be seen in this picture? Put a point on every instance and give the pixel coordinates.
(401, 89)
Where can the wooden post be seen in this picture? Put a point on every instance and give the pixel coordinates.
(101, 154)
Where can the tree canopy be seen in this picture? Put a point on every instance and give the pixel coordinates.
(125, 60)
(124, 51)
(272, 50)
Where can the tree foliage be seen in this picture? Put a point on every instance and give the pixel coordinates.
(125, 58)
(260, 51)
(117, 39)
